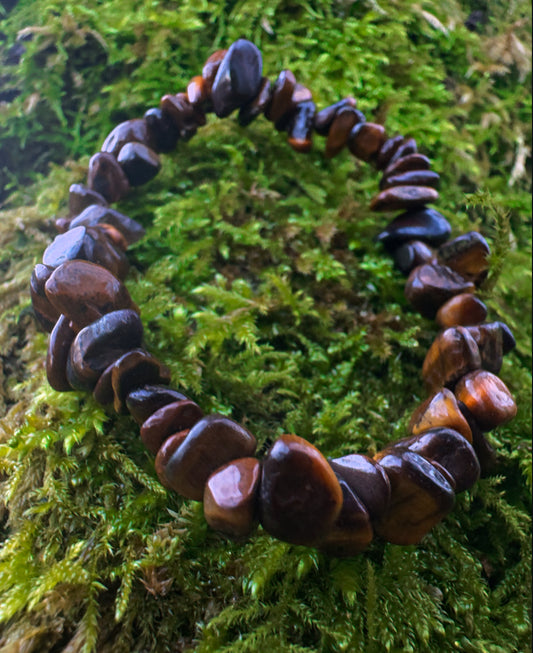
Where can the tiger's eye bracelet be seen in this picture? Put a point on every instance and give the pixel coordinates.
(297, 495)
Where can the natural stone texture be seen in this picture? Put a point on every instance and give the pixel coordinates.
(167, 449)
(403, 197)
(425, 224)
(405, 164)
(130, 131)
(411, 254)
(452, 354)
(164, 133)
(441, 409)
(461, 310)
(80, 197)
(431, 285)
(140, 163)
(281, 102)
(106, 177)
(324, 118)
(412, 178)
(186, 117)
(487, 398)
(387, 151)
(467, 255)
(143, 402)
(339, 131)
(365, 140)
(95, 215)
(171, 418)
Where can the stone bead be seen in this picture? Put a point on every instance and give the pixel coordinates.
(130, 131)
(197, 90)
(412, 178)
(406, 147)
(251, 110)
(238, 78)
(300, 127)
(212, 442)
(80, 197)
(365, 140)
(420, 497)
(84, 292)
(45, 312)
(143, 402)
(430, 285)
(63, 224)
(366, 479)
(487, 398)
(388, 149)
(281, 102)
(300, 496)
(106, 177)
(106, 253)
(164, 133)
(324, 118)
(230, 497)
(103, 390)
(301, 94)
(340, 129)
(169, 446)
(95, 215)
(452, 354)
(140, 163)
(210, 69)
(101, 343)
(352, 532)
(171, 418)
(186, 117)
(467, 255)
(411, 254)
(113, 235)
(441, 409)
(425, 224)
(405, 164)
(461, 310)
(403, 197)
(485, 452)
(61, 338)
(489, 339)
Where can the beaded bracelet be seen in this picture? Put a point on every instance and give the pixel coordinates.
(295, 493)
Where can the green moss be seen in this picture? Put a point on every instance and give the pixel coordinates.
(262, 289)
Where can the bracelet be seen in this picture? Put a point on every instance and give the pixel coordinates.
(295, 493)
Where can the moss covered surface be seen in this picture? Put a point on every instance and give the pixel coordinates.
(262, 289)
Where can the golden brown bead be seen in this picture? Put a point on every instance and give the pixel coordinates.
(452, 354)
(230, 497)
(324, 118)
(440, 409)
(281, 102)
(365, 140)
(185, 116)
(468, 255)
(464, 309)
(169, 446)
(171, 418)
(487, 398)
(210, 69)
(197, 90)
(345, 119)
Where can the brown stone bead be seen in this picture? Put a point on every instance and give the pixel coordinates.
(387, 151)
(301, 94)
(59, 343)
(412, 178)
(489, 339)
(405, 164)
(430, 285)
(46, 314)
(420, 497)
(440, 409)
(164, 134)
(132, 370)
(423, 224)
(212, 442)
(80, 197)
(324, 118)
(107, 254)
(485, 452)
(113, 235)
(461, 310)
(100, 344)
(130, 131)
(300, 496)
(169, 446)
(250, 111)
(365, 140)
(407, 147)
(140, 163)
(62, 224)
(106, 177)
(103, 390)
(340, 129)
(403, 197)
(452, 354)
(84, 292)
(366, 479)
(210, 69)
(467, 255)
(95, 215)
(143, 402)
(168, 419)
(352, 532)
(197, 90)
(230, 497)
(411, 254)
(300, 127)
(487, 398)
(281, 102)
(449, 449)
(185, 116)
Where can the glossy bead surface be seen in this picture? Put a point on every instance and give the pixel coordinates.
(167, 449)
(485, 452)
(140, 163)
(420, 497)
(210, 69)
(281, 100)
(403, 197)
(464, 309)
(430, 285)
(61, 338)
(406, 147)
(452, 354)
(411, 254)
(84, 292)
(94, 215)
(366, 479)
(80, 197)
(300, 129)
(412, 178)
(197, 90)
(487, 398)
(251, 110)
(186, 117)
(387, 151)
(238, 78)
(340, 129)
(171, 418)
(490, 340)
(130, 131)
(106, 177)
(212, 442)
(164, 134)
(45, 312)
(425, 224)
(143, 402)
(468, 255)
(230, 497)
(365, 140)
(300, 496)
(441, 409)
(405, 164)
(324, 118)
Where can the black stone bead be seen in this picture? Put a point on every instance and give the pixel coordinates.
(140, 163)
(164, 132)
(423, 224)
(130, 131)
(410, 254)
(94, 215)
(80, 197)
